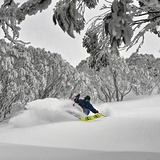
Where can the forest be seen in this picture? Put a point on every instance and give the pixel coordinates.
(29, 73)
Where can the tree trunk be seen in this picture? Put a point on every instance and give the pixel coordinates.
(115, 85)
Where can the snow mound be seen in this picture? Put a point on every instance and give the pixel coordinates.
(47, 110)
(142, 108)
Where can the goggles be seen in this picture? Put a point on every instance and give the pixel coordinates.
(87, 100)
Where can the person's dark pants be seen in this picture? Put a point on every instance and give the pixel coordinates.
(86, 111)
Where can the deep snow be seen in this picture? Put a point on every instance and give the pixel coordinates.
(47, 130)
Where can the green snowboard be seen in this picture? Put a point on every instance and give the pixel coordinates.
(92, 117)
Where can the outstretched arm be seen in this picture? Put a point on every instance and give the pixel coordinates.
(76, 98)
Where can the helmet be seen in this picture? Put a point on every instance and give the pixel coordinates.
(88, 98)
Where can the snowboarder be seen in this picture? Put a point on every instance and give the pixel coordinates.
(85, 104)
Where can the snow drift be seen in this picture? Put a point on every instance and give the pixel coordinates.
(46, 111)
(131, 130)
(51, 110)
(23, 152)
(147, 107)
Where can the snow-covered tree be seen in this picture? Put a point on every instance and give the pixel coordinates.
(30, 73)
(115, 26)
(119, 78)
(146, 73)
(143, 83)
(112, 82)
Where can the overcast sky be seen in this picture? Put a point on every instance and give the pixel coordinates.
(41, 32)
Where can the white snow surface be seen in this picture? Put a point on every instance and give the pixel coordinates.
(48, 129)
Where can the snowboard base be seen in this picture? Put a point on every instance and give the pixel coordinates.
(92, 117)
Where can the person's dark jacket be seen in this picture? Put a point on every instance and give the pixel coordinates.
(85, 104)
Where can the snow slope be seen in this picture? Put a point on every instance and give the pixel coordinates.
(46, 129)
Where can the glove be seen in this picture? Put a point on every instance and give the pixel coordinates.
(77, 96)
(97, 111)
